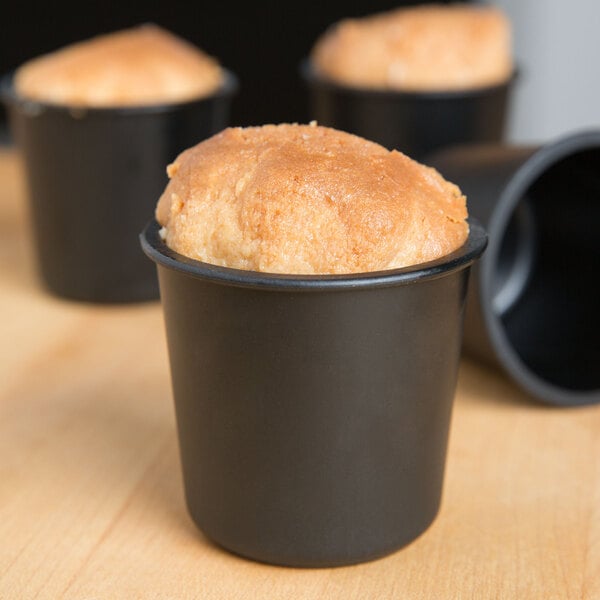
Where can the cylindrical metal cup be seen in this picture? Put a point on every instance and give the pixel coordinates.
(415, 123)
(534, 308)
(313, 411)
(94, 175)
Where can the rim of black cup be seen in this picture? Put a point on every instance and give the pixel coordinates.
(156, 249)
(9, 95)
(542, 159)
(312, 77)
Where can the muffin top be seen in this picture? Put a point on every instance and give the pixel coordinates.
(422, 48)
(144, 65)
(304, 199)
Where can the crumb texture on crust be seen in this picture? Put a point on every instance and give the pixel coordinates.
(304, 199)
(143, 65)
(423, 48)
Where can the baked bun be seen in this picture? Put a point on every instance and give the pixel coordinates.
(144, 65)
(422, 48)
(304, 199)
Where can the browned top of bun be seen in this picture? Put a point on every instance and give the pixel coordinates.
(140, 66)
(304, 199)
(422, 48)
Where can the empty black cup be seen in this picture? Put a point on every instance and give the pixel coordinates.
(534, 309)
(416, 123)
(94, 175)
(313, 411)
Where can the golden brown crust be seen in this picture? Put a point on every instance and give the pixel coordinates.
(422, 48)
(303, 199)
(140, 66)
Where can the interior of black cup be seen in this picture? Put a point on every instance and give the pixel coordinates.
(545, 271)
(515, 259)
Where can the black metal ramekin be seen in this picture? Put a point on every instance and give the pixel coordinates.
(416, 123)
(93, 177)
(534, 308)
(313, 411)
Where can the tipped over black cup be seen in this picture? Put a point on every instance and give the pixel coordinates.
(534, 307)
(94, 175)
(415, 123)
(313, 411)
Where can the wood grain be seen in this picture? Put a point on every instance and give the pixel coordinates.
(91, 503)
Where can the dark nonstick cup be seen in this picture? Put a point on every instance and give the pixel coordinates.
(313, 411)
(534, 308)
(416, 123)
(93, 177)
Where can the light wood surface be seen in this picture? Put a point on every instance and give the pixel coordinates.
(91, 503)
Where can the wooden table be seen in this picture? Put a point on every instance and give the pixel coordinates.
(91, 503)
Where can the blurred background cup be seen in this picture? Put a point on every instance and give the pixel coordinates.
(313, 411)
(93, 176)
(416, 123)
(534, 306)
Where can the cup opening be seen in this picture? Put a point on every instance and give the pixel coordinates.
(312, 78)
(9, 96)
(545, 269)
(155, 248)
